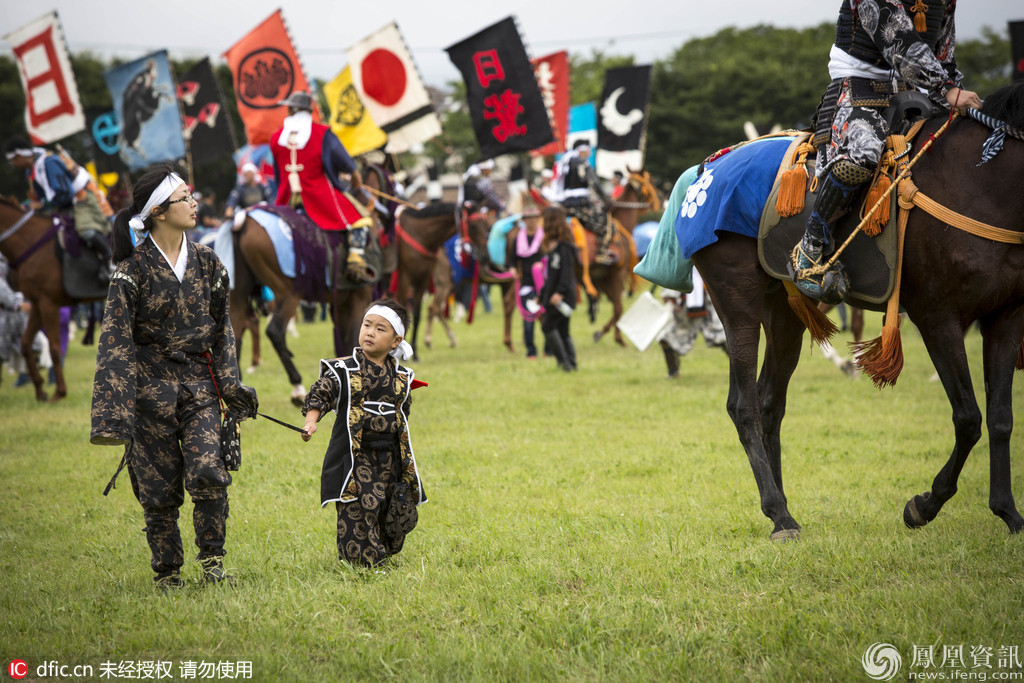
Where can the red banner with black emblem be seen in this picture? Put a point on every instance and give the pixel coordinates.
(206, 125)
(552, 72)
(266, 69)
(52, 108)
(1017, 48)
(505, 103)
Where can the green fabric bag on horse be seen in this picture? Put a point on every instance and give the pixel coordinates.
(663, 264)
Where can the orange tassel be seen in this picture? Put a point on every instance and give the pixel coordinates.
(817, 323)
(792, 189)
(920, 22)
(880, 217)
(881, 359)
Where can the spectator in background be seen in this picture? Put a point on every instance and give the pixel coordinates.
(249, 192)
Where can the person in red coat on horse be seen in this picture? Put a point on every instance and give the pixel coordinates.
(311, 158)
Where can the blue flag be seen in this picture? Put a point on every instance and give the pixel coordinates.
(146, 104)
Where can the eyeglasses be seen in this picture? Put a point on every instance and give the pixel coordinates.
(187, 198)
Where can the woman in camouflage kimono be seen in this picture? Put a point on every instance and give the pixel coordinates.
(166, 352)
(369, 471)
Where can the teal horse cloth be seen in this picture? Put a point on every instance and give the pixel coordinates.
(664, 263)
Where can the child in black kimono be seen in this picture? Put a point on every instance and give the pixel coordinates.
(369, 472)
(166, 355)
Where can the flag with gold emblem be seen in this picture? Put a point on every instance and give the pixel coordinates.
(350, 119)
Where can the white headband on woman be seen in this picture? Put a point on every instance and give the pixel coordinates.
(160, 195)
(404, 350)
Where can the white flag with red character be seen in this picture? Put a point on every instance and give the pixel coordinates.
(52, 108)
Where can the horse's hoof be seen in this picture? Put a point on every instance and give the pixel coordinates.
(298, 395)
(911, 516)
(597, 336)
(783, 535)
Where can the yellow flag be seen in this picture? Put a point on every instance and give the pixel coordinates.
(350, 120)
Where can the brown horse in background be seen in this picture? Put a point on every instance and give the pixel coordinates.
(950, 279)
(28, 242)
(638, 196)
(256, 264)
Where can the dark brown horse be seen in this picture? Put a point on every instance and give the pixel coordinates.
(951, 278)
(420, 234)
(256, 264)
(28, 243)
(638, 196)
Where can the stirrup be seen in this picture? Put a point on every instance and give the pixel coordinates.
(830, 287)
(356, 268)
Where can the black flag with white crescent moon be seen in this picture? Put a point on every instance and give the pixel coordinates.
(622, 114)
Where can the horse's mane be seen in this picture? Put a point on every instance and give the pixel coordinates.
(12, 202)
(432, 210)
(1007, 105)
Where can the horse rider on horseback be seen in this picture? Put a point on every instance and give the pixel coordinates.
(478, 188)
(881, 47)
(583, 198)
(57, 182)
(308, 158)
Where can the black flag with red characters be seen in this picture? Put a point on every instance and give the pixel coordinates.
(1017, 48)
(505, 103)
(205, 121)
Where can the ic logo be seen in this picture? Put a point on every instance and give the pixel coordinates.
(17, 668)
(264, 78)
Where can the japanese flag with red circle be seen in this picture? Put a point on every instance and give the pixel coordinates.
(389, 83)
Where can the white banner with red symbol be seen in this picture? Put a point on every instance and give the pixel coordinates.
(52, 108)
(392, 91)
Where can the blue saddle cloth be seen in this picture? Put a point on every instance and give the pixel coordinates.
(730, 194)
(459, 271)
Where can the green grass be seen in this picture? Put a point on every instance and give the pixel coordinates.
(598, 526)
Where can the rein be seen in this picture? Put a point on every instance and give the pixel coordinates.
(17, 226)
(411, 241)
(630, 205)
(47, 236)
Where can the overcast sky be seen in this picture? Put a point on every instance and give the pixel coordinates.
(321, 30)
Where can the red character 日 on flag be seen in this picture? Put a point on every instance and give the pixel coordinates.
(488, 67)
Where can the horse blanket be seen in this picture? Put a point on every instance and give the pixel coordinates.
(730, 193)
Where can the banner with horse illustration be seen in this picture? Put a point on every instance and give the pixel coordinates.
(390, 86)
(52, 108)
(266, 69)
(350, 119)
(505, 103)
(552, 72)
(622, 120)
(149, 121)
(207, 126)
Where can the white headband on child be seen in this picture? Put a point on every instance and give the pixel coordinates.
(404, 350)
(160, 195)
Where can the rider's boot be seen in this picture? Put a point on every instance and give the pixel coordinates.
(836, 193)
(356, 267)
(100, 244)
(604, 254)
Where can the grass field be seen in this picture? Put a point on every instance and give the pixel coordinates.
(598, 526)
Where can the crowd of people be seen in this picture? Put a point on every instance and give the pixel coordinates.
(166, 355)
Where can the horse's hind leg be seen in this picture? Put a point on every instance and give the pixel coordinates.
(783, 334)
(1001, 346)
(946, 347)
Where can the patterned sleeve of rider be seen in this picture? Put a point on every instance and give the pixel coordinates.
(892, 30)
(945, 52)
